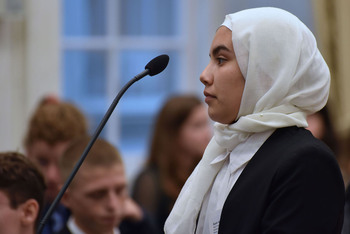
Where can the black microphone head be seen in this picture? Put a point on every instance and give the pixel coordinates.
(157, 65)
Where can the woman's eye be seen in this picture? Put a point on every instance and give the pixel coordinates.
(220, 60)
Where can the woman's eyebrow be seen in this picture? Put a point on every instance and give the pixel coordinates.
(217, 49)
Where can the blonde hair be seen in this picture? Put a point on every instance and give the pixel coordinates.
(102, 153)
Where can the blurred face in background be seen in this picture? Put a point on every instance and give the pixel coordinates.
(9, 217)
(316, 125)
(47, 159)
(194, 136)
(20, 219)
(97, 198)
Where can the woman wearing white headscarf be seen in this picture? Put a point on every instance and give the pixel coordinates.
(263, 172)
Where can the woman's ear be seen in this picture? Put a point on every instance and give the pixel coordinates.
(29, 212)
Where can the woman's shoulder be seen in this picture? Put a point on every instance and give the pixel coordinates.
(294, 148)
(294, 141)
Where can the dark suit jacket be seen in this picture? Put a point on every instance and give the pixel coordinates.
(65, 230)
(346, 224)
(291, 185)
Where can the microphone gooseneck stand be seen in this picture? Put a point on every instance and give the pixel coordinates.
(154, 67)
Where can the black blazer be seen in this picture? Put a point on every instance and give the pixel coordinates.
(292, 185)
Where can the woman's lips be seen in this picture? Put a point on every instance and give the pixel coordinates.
(208, 96)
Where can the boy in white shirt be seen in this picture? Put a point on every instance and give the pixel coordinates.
(98, 196)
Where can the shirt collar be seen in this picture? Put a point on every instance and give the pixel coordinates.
(243, 152)
(74, 229)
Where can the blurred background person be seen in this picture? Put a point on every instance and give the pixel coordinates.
(22, 188)
(181, 133)
(98, 196)
(53, 125)
(321, 127)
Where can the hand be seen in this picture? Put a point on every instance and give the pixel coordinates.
(132, 210)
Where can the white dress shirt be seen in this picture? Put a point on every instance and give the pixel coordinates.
(74, 229)
(235, 162)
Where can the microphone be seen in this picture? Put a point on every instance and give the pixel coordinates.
(153, 67)
(157, 65)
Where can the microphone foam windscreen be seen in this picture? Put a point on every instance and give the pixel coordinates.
(157, 65)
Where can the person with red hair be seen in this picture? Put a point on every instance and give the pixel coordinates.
(52, 126)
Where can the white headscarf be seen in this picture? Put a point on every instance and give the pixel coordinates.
(286, 78)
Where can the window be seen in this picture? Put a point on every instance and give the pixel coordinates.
(105, 44)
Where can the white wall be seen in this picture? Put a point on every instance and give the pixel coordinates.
(29, 64)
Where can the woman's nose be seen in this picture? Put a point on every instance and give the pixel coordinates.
(205, 76)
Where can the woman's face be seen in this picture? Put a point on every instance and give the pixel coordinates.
(195, 133)
(194, 136)
(223, 80)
